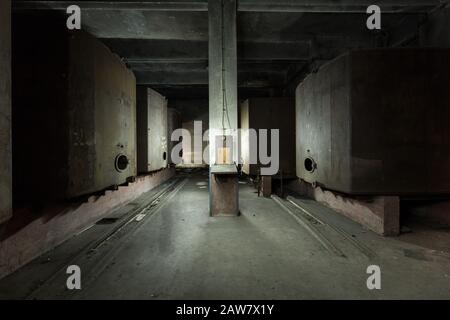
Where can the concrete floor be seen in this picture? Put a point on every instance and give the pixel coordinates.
(177, 251)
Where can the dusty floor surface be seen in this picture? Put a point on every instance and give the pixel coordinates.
(172, 249)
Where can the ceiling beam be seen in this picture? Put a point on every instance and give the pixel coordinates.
(252, 79)
(188, 66)
(405, 31)
(184, 51)
(197, 6)
(311, 6)
(165, 51)
(332, 6)
(171, 78)
(200, 92)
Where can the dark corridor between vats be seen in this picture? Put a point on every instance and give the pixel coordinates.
(225, 149)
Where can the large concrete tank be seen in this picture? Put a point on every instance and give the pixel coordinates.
(376, 122)
(73, 115)
(269, 113)
(152, 130)
(173, 123)
(5, 111)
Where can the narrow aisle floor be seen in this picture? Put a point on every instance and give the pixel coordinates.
(180, 252)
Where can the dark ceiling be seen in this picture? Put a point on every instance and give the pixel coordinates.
(279, 42)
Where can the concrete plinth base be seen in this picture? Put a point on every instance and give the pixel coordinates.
(380, 214)
(224, 195)
(435, 211)
(266, 186)
(22, 240)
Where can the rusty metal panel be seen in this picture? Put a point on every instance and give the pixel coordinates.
(376, 122)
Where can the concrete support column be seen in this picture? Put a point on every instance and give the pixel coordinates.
(222, 70)
(223, 105)
(5, 111)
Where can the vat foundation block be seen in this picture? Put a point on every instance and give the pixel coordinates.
(224, 188)
(380, 214)
(266, 186)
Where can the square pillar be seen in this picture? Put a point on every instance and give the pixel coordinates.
(223, 142)
(5, 111)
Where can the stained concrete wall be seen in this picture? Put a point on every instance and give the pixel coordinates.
(376, 122)
(5, 111)
(269, 113)
(152, 130)
(73, 113)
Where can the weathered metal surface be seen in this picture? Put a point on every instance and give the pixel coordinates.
(376, 122)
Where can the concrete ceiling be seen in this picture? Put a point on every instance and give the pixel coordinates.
(165, 42)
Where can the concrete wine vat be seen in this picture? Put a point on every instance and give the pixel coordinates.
(173, 123)
(269, 113)
(376, 122)
(74, 130)
(152, 130)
